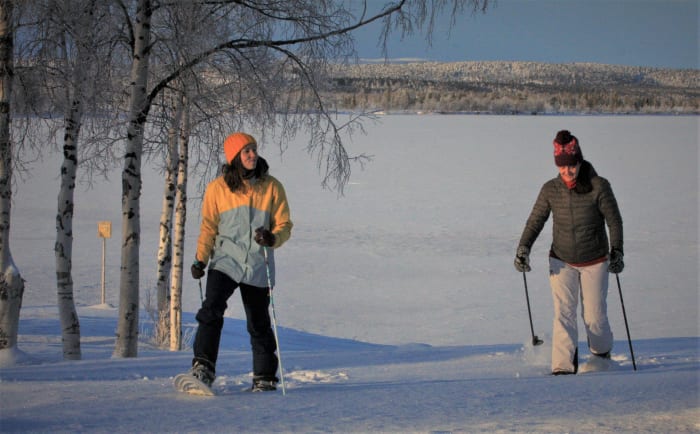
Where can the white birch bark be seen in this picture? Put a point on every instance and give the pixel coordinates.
(70, 323)
(128, 321)
(179, 237)
(11, 282)
(164, 257)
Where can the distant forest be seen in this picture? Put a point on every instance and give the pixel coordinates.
(514, 88)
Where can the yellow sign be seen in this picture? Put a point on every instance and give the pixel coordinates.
(104, 229)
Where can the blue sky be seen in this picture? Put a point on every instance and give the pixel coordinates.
(657, 33)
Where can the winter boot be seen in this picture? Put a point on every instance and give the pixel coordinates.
(598, 362)
(203, 373)
(575, 363)
(264, 384)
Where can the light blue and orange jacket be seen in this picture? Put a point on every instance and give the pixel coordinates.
(226, 236)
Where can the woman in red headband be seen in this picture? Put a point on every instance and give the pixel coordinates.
(580, 258)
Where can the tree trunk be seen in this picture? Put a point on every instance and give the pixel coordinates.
(128, 322)
(11, 283)
(165, 258)
(166, 217)
(70, 324)
(179, 240)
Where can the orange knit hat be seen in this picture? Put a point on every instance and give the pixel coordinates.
(234, 143)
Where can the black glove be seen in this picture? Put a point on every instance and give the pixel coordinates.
(616, 264)
(264, 237)
(522, 259)
(198, 269)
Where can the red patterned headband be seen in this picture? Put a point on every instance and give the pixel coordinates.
(568, 154)
(570, 148)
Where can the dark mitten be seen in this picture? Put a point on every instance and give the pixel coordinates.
(264, 237)
(198, 269)
(522, 259)
(617, 264)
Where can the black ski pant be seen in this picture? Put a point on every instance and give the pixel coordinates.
(210, 317)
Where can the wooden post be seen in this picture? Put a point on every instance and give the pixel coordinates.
(104, 231)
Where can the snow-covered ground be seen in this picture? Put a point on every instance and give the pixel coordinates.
(398, 306)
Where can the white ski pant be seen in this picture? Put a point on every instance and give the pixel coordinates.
(568, 283)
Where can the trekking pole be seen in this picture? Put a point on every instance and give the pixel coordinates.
(535, 339)
(624, 315)
(274, 319)
(201, 297)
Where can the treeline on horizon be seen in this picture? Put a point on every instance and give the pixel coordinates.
(514, 88)
(473, 87)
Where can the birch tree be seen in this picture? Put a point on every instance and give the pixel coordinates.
(164, 256)
(82, 28)
(128, 321)
(186, 23)
(179, 236)
(266, 45)
(70, 43)
(11, 282)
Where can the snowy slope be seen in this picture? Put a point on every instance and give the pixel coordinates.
(398, 305)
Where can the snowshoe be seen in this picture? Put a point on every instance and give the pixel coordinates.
(264, 385)
(597, 362)
(196, 382)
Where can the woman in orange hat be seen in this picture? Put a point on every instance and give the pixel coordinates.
(244, 211)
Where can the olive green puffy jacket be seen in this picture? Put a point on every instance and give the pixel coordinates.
(579, 218)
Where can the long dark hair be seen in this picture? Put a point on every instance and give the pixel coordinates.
(235, 174)
(584, 179)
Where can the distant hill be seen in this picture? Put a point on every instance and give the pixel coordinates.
(514, 88)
